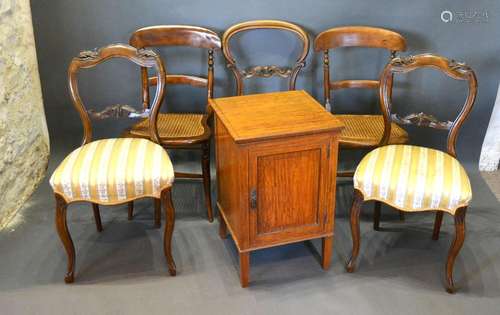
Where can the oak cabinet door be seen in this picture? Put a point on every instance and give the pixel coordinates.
(287, 190)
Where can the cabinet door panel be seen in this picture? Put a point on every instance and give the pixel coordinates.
(288, 190)
(288, 184)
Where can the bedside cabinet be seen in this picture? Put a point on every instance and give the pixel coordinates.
(276, 159)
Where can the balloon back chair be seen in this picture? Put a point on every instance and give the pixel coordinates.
(414, 178)
(118, 170)
(265, 71)
(180, 130)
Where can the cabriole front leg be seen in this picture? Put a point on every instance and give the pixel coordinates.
(354, 219)
(456, 245)
(62, 231)
(166, 200)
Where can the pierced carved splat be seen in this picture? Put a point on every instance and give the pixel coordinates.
(422, 119)
(117, 111)
(266, 72)
(403, 61)
(459, 66)
(145, 53)
(88, 55)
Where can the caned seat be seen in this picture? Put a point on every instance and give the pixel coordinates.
(413, 178)
(367, 131)
(175, 126)
(113, 171)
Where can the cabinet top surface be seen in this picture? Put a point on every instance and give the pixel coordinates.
(272, 115)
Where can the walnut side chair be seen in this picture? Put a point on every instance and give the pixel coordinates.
(413, 178)
(180, 130)
(266, 71)
(117, 170)
(361, 131)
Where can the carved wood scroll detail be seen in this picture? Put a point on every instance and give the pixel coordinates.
(117, 111)
(403, 61)
(88, 54)
(266, 72)
(422, 119)
(459, 66)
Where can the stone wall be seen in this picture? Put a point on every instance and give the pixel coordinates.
(24, 141)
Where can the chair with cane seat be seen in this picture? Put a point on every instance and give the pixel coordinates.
(361, 131)
(180, 130)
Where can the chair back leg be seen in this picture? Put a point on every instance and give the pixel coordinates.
(376, 216)
(437, 225)
(130, 210)
(157, 213)
(97, 217)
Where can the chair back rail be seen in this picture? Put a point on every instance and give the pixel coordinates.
(456, 70)
(177, 35)
(265, 71)
(354, 36)
(89, 59)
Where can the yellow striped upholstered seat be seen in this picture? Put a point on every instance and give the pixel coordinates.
(173, 126)
(112, 171)
(367, 130)
(412, 178)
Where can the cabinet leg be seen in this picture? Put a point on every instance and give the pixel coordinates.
(326, 249)
(244, 269)
(222, 227)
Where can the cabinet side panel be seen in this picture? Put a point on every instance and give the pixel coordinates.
(332, 180)
(231, 184)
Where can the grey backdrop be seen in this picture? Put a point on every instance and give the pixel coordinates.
(65, 27)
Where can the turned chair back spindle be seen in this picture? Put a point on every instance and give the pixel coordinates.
(143, 58)
(453, 69)
(178, 35)
(354, 36)
(266, 71)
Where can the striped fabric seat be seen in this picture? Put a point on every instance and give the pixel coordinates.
(173, 126)
(367, 131)
(412, 178)
(113, 171)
